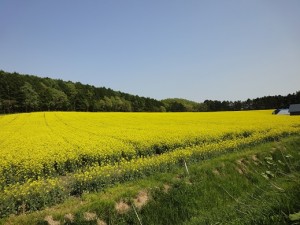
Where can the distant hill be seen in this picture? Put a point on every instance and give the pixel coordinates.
(28, 93)
(183, 105)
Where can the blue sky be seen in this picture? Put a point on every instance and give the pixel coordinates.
(219, 50)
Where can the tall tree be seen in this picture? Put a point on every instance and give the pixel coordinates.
(30, 97)
(59, 99)
(72, 94)
(99, 105)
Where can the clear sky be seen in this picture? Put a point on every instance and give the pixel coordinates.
(193, 49)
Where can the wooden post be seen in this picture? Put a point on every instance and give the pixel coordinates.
(186, 168)
(137, 214)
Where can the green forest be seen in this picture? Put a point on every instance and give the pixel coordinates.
(28, 93)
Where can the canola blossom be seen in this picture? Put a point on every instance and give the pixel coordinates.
(41, 151)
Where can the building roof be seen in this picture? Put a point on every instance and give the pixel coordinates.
(294, 108)
(283, 112)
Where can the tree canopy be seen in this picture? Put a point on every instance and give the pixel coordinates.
(28, 93)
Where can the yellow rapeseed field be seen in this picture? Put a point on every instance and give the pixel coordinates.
(47, 143)
(37, 149)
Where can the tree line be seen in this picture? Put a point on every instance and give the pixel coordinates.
(28, 93)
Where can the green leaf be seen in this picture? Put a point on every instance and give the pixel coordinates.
(295, 216)
(265, 176)
(268, 158)
(270, 163)
(280, 162)
(270, 173)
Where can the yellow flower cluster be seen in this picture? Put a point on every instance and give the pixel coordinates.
(94, 178)
(96, 149)
(46, 144)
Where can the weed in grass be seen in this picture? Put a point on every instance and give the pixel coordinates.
(51, 221)
(69, 218)
(101, 222)
(122, 207)
(90, 216)
(141, 200)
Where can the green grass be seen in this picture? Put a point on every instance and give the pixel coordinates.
(258, 185)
